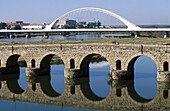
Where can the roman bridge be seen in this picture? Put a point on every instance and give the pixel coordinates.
(76, 58)
(78, 94)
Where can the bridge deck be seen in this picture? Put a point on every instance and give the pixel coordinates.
(89, 30)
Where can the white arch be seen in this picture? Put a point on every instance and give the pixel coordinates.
(126, 22)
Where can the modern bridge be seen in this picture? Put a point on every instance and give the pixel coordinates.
(131, 28)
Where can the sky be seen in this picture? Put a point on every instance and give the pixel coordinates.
(139, 12)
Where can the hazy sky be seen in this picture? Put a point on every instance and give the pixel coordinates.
(45, 11)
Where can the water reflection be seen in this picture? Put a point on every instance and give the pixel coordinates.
(57, 78)
(121, 93)
(145, 77)
(95, 92)
(99, 79)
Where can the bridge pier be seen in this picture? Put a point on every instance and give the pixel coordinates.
(72, 73)
(137, 34)
(37, 71)
(28, 35)
(46, 35)
(166, 35)
(163, 76)
(119, 75)
(122, 75)
(11, 36)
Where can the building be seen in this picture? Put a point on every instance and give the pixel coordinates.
(33, 27)
(66, 23)
(82, 24)
(91, 25)
(15, 22)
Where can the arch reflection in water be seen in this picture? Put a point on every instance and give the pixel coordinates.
(122, 96)
(57, 78)
(12, 83)
(97, 68)
(145, 77)
(56, 68)
(17, 65)
(45, 83)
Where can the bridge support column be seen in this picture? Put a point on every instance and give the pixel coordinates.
(11, 36)
(137, 34)
(163, 76)
(72, 73)
(37, 72)
(46, 35)
(166, 35)
(28, 35)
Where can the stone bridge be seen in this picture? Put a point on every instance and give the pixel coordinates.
(76, 58)
(78, 94)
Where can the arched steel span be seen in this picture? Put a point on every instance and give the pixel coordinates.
(126, 22)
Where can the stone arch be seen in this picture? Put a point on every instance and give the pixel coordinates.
(131, 61)
(118, 65)
(109, 60)
(84, 63)
(49, 56)
(133, 58)
(165, 66)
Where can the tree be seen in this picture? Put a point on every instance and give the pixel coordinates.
(17, 27)
(98, 24)
(3, 25)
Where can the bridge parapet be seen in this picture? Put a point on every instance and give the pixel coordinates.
(125, 53)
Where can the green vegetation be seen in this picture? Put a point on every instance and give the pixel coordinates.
(56, 61)
(114, 41)
(97, 58)
(3, 25)
(153, 41)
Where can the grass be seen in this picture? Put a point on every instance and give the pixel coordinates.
(153, 41)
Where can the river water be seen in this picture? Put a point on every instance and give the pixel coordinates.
(144, 83)
(92, 36)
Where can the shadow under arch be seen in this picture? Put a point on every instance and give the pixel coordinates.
(129, 84)
(133, 94)
(131, 88)
(47, 60)
(131, 64)
(11, 65)
(12, 83)
(84, 66)
(45, 84)
(87, 91)
(12, 73)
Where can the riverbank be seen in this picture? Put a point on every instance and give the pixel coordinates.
(141, 40)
